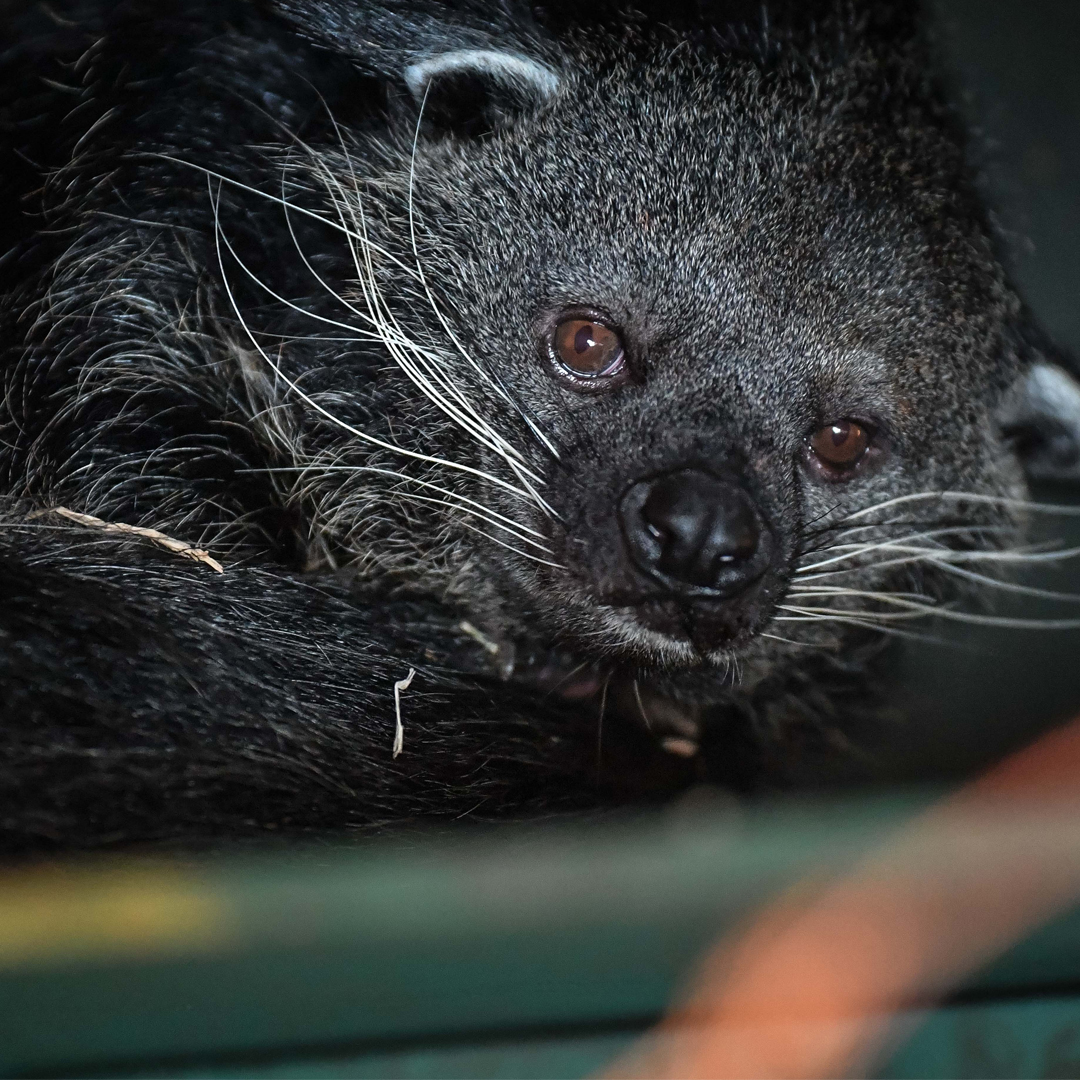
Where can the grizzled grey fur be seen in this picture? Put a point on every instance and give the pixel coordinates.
(278, 281)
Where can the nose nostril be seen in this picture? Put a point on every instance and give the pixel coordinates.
(693, 530)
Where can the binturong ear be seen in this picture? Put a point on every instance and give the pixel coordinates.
(472, 92)
(1042, 416)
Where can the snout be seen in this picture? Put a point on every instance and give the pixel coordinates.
(694, 533)
(685, 551)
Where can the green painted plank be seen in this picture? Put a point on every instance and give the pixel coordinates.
(523, 1059)
(523, 928)
(991, 1040)
(432, 947)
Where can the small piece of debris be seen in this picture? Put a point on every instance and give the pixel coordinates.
(479, 636)
(177, 547)
(399, 729)
(681, 747)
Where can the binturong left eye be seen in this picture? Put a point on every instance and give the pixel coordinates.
(588, 353)
(839, 447)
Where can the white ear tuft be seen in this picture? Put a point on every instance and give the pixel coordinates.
(526, 78)
(1044, 413)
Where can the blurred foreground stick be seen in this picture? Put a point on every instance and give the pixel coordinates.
(809, 986)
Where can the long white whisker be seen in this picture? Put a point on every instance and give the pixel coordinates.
(510, 547)
(949, 555)
(478, 514)
(399, 345)
(960, 530)
(438, 311)
(972, 618)
(1007, 586)
(964, 496)
(872, 594)
(493, 516)
(809, 616)
(308, 400)
(914, 612)
(355, 332)
(314, 215)
(856, 550)
(384, 319)
(1016, 556)
(791, 641)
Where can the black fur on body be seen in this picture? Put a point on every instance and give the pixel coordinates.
(276, 282)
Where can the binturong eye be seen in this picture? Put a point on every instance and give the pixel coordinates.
(839, 447)
(588, 353)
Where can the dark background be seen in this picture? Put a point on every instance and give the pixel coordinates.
(1014, 73)
(1017, 78)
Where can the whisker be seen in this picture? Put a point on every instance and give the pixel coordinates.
(791, 641)
(510, 547)
(438, 311)
(860, 623)
(1015, 556)
(400, 345)
(427, 499)
(491, 438)
(220, 239)
(493, 516)
(903, 543)
(1009, 586)
(641, 707)
(942, 555)
(840, 530)
(335, 225)
(914, 612)
(975, 497)
(839, 590)
(969, 617)
(600, 726)
(566, 678)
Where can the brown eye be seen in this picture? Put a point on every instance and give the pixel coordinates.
(841, 445)
(588, 349)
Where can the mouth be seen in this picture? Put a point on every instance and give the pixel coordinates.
(705, 626)
(697, 626)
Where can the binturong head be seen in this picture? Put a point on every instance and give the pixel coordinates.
(697, 331)
(676, 342)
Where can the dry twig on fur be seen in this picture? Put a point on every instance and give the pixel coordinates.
(178, 547)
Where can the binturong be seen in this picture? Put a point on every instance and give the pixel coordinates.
(627, 376)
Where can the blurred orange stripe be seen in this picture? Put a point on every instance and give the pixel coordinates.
(810, 986)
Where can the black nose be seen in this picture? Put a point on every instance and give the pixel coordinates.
(693, 532)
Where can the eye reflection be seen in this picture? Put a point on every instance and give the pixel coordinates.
(588, 349)
(841, 445)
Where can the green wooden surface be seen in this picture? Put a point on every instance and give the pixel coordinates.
(523, 929)
(521, 1058)
(1039, 1037)
(526, 952)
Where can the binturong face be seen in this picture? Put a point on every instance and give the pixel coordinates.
(543, 363)
(675, 347)
(699, 347)
(745, 322)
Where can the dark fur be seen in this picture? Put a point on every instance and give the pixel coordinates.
(773, 205)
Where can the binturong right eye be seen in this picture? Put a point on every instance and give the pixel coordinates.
(837, 450)
(588, 353)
